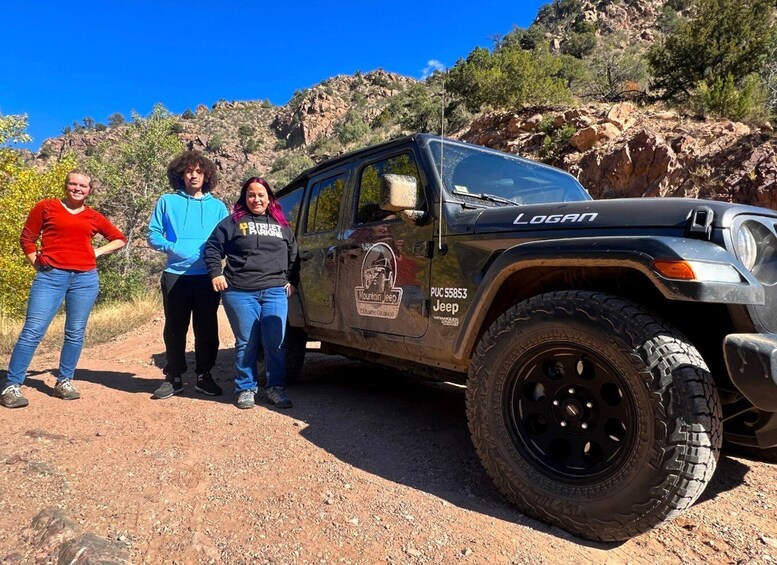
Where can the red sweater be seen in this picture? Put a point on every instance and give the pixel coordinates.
(66, 241)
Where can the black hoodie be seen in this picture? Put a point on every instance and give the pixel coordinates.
(260, 253)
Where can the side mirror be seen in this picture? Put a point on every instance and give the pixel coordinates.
(399, 193)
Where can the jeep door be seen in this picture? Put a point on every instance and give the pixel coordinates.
(317, 240)
(383, 278)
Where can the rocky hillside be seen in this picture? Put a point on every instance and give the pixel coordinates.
(638, 21)
(616, 151)
(622, 150)
(245, 138)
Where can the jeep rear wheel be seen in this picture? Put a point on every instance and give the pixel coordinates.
(592, 414)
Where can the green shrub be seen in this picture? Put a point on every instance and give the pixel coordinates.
(383, 119)
(584, 27)
(381, 80)
(115, 119)
(250, 145)
(509, 78)
(352, 128)
(325, 147)
(678, 5)
(119, 286)
(286, 167)
(215, 143)
(725, 37)
(579, 44)
(746, 102)
(555, 143)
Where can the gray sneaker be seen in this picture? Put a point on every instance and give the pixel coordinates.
(245, 399)
(277, 395)
(172, 385)
(66, 390)
(12, 397)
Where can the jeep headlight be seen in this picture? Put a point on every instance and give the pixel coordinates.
(745, 246)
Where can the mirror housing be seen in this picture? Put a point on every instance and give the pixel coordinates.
(399, 193)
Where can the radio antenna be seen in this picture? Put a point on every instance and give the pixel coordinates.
(442, 149)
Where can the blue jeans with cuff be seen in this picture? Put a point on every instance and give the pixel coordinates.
(257, 316)
(78, 289)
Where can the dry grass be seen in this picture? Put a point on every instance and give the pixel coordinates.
(106, 322)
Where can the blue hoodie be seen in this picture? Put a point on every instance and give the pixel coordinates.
(180, 225)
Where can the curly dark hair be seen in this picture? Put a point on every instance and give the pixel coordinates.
(187, 160)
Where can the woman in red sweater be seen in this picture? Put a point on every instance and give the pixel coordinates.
(66, 271)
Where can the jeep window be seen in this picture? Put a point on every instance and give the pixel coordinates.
(324, 207)
(368, 204)
(472, 172)
(290, 203)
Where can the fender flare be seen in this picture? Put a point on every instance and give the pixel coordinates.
(634, 252)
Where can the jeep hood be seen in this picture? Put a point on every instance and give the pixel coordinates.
(603, 214)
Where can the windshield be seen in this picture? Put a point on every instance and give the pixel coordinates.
(474, 171)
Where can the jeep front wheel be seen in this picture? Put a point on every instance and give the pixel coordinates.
(592, 414)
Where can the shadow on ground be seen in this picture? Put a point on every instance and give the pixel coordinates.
(415, 433)
(401, 429)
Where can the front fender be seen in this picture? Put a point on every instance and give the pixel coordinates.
(634, 252)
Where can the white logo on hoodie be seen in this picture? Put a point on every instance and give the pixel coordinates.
(251, 228)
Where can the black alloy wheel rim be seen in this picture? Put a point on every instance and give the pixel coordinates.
(571, 411)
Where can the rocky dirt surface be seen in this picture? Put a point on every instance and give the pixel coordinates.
(368, 467)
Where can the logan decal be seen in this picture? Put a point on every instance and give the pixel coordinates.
(377, 297)
(557, 218)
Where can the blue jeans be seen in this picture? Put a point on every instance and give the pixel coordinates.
(257, 316)
(79, 291)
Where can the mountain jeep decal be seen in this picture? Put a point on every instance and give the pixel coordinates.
(377, 296)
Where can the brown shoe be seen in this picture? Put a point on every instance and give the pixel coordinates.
(66, 390)
(12, 397)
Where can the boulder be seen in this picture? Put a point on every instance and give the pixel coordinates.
(62, 540)
(532, 123)
(584, 139)
(621, 114)
(606, 132)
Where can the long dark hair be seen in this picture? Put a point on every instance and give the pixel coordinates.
(240, 208)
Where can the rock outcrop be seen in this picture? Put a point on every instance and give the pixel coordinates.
(53, 537)
(318, 111)
(621, 151)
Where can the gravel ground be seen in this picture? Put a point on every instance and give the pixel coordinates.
(368, 467)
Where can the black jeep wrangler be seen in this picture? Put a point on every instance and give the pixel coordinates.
(608, 347)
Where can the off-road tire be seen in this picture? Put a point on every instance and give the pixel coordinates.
(295, 343)
(652, 415)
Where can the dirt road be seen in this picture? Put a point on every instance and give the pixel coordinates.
(368, 467)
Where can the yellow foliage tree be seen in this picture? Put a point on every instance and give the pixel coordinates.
(21, 187)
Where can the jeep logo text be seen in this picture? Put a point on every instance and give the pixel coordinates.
(558, 218)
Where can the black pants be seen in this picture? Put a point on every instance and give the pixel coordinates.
(185, 297)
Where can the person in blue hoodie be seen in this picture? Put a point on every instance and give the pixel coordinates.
(179, 227)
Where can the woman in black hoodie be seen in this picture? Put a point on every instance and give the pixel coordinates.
(261, 273)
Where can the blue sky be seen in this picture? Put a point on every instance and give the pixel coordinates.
(63, 60)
